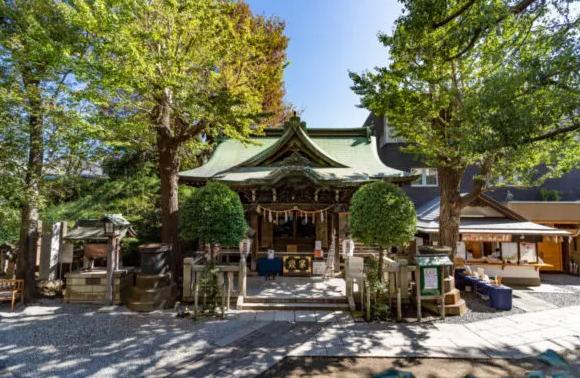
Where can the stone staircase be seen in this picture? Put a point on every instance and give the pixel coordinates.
(454, 304)
(152, 292)
(258, 303)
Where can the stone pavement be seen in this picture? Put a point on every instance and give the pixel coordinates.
(296, 287)
(295, 316)
(515, 336)
(54, 339)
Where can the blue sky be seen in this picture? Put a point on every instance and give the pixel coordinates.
(328, 38)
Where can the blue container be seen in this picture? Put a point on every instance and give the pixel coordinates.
(500, 297)
(269, 266)
(460, 278)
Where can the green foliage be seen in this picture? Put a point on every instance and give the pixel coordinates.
(210, 290)
(382, 214)
(550, 195)
(9, 224)
(493, 84)
(378, 290)
(214, 63)
(135, 197)
(213, 214)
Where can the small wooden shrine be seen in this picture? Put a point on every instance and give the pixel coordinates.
(296, 184)
(90, 283)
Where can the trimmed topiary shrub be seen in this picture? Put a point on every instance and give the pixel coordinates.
(213, 214)
(381, 214)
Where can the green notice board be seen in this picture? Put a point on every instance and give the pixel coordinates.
(430, 280)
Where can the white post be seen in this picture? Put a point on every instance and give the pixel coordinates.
(242, 278)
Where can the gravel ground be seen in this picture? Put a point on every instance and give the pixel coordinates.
(565, 281)
(79, 340)
(569, 285)
(478, 309)
(559, 299)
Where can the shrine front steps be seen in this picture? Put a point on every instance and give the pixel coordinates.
(295, 303)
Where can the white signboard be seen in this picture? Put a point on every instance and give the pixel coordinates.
(528, 252)
(430, 277)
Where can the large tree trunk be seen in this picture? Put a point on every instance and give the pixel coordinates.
(29, 226)
(381, 259)
(169, 163)
(450, 210)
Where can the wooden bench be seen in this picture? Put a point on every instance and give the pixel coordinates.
(10, 290)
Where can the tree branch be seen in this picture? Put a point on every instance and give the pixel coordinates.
(479, 182)
(515, 10)
(553, 133)
(454, 15)
(521, 6)
(471, 43)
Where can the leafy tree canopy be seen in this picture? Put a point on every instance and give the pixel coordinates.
(218, 66)
(213, 214)
(382, 214)
(489, 83)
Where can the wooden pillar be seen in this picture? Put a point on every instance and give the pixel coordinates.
(255, 224)
(337, 245)
(566, 253)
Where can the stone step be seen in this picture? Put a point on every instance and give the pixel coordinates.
(148, 306)
(457, 309)
(449, 284)
(152, 281)
(261, 299)
(153, 295)
(297, 306)
(452, 297)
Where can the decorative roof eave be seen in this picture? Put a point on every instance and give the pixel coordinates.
(294, 134)
(434, 229)
(316, 179)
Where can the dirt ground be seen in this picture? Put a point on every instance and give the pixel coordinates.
(421, 367)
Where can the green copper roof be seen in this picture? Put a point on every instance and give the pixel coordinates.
(326, 155)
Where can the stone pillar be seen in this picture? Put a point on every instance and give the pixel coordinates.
(50, 248)
(111, 265)
(242, 283)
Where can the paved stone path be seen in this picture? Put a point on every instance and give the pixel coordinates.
(515, 336)
(296, 316)
(297, 287)
(81, 341)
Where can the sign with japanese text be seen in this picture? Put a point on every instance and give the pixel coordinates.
(487, 237)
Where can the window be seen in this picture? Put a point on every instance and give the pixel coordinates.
(427, 176)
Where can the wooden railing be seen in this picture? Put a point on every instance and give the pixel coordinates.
(192, 269)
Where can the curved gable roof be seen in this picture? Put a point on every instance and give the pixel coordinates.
(345, 155)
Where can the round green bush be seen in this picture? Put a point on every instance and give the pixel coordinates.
(382, 214)
(213, 214)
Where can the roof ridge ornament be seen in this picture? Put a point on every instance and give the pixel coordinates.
(296, 160)
(295, 122)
